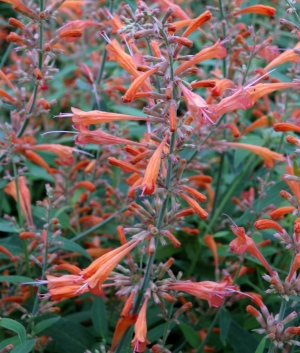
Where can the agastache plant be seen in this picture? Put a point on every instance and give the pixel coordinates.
(149, 145)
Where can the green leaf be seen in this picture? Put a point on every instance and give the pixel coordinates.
(73, 247)
(99, 317)
(6, 227)
(15, 279)
(261, 346)
(225, 320)
(28, 347)
(241, 340)
(16, 327)
(190, 335)
(70, 336)
(41, 326)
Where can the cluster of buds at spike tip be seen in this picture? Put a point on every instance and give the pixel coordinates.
(273, 327)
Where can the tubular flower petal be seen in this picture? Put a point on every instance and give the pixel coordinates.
(294, 267)
(221, 86)
(245, 97)
(293, 185)
(194, 204)
(243, 243)
(284, 127)
(65, 153)
(281, 211)
(122, 326)
(216, 51)
(213, 292)
(136, 84)
(116, 53)
(152, 170)
(100, 137)
(24, 196)
(126, 167)
(20, 7)
(210, 242)
(196, 194)
(259, 9)
(287, 56)
(262, 224)
(140, 329)
(101, 268)
(196, 23)
(196, 105)
(260, 122)
(268, 155)
(97, 117)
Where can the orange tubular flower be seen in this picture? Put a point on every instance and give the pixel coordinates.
(196, 23)
(221, 86)
(281, 211)
(100, 137)
(20, 7)
(262, 224)
(24, 196)
(293, 185)
(122, 326)
(136, 84)
(260, 122)
(126, 167)
(193, 203)
(152, 170)
(284, 127)
(213, 292)
(259, 9)
(140, 341)
(287, 56)
(196, 105)
(245, 97)
(243, 243)
(196, 194)
(66, 286)
(210, 242)
(268, 155)
(97, 117)
(65, 153)
(124, 60)
(294, 268)
(100, 269)
(217, 51)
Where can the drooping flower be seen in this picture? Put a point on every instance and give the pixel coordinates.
(140, 341)
(243, 243)
(284, 127)
(213, 292)
(19, 6)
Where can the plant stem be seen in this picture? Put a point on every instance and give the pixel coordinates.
(36, 86)
(224, 35)
(45, 259)
(170, 312)
(212, 325)
(20, 218)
